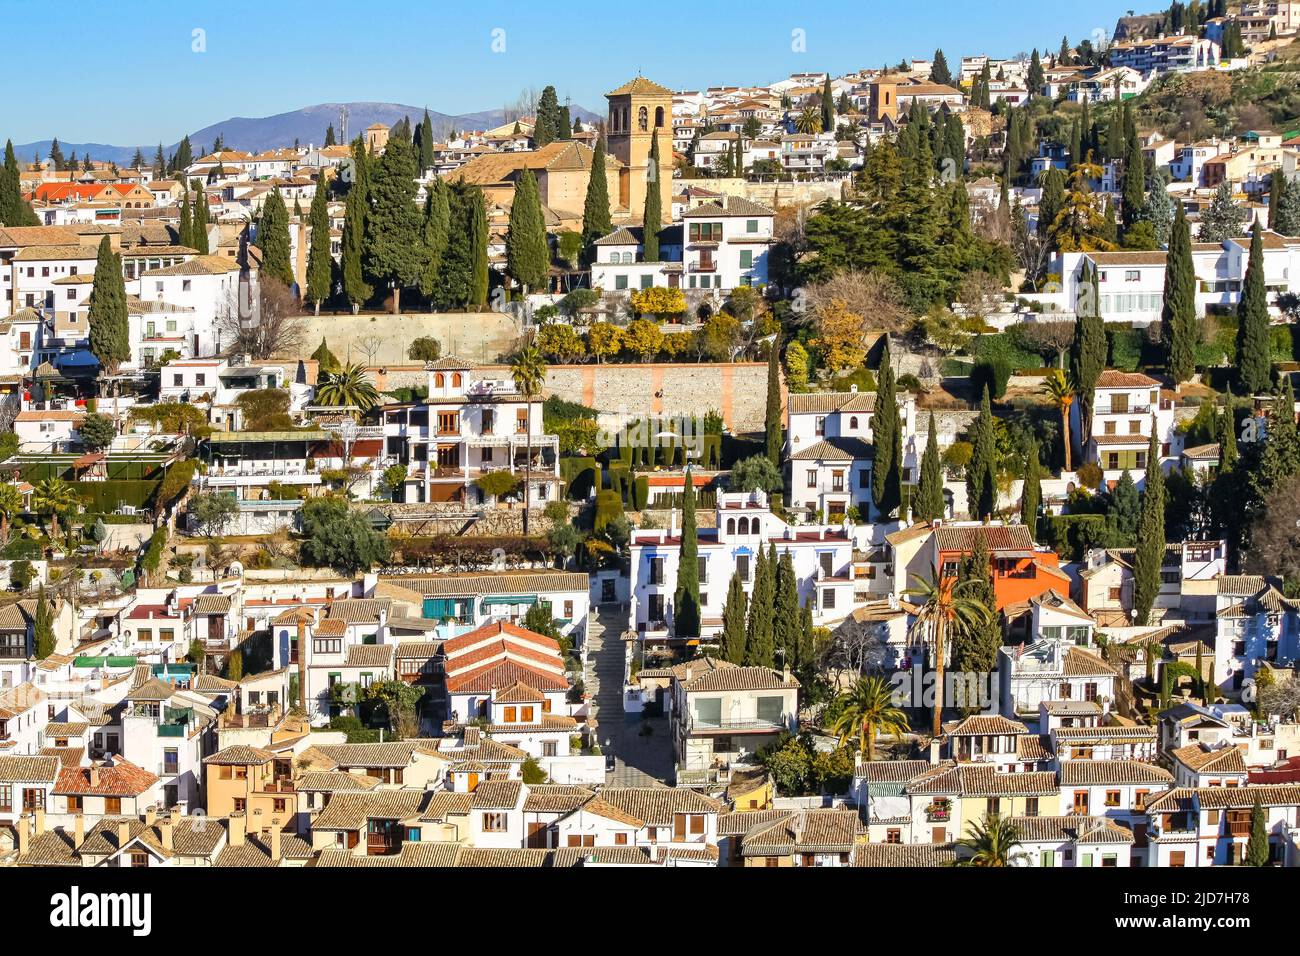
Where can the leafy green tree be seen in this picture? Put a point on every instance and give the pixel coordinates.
(786, 623)
(928, 503)
(425, 348)
(1123, 512)
(755, 473)
(1224, 219)
(109, 332)
(686, 601)
(394, 228)
(760, 650)
(1159, 212)
(867, 710)
(1254, 354)
(97, 431)
(733, 640)
(348, 388)
(1285, 217)
(528, 257)
(887, 437)
(1150, 555)
(547, 128)
(1179, 328)
(334, 537)
(991, 841)
(595, 208)
(653, 217)
(325, 360)
(320, 264)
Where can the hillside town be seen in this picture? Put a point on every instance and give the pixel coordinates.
(895, 468)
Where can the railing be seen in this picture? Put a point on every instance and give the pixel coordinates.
(168, 769)
(1127, 410)
(750, 725)
(276, 786)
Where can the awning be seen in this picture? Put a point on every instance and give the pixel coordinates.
(509, 599)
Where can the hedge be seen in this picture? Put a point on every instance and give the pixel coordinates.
(1000, 345)
(1072, 535)
(608, 507)
(108, 496)
(993, 373)
(580, 476)
(640, 493)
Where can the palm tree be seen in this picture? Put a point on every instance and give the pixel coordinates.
(1057, 388)
(809, 122)
(349, 386)
(54, 496)
(869, 710)
(945, 609)
(11, 503)
(990, 842)
(529, 372)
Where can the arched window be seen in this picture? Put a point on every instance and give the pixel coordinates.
(628, 257)
(853, 422)
(439, 381)
(455, 380)
(744, 526)
(659, 116)
(643, 119)
(731, 526)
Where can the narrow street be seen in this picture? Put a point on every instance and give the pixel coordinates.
(642, 760)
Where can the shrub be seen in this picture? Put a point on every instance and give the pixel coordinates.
(424, 349)
(497, 484)
(1090, 474)
(608, 507)
(640, 493)
(993, 373)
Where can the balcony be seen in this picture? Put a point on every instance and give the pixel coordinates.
(276, 786)
(704, 267)
(938, 812)
(750, 725)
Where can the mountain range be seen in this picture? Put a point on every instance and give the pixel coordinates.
(306, 125)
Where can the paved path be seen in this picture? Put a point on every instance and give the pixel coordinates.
(642, 760)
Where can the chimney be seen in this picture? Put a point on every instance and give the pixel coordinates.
(688, 673)
(38, 821)
(934, 750)
(123, 833)
(78, 830)
(236, 825)
(151, 815)
(24, 834)
(94, 775)
(275, 845)
(785, 673)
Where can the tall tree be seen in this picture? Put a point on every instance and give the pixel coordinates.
(686, 600)
(1254, 356)
(355, 209)
(1031, 492)
(529, 375)
(653, 217)
(1224, 219)
(1150, 555)
(1089, 350)
(110, 340)
(772, 411)
(1035, 77)
(1257, 853)
(1134, 184)
(828, 108)
(786, 623)
(733, 640)
(320, 264)
(1178, 317)
(759, 648)
(1052, 200)
(528, 257)
(1287, 219)
(57, 159)
(946, 610)
(424, 143)
(478, 249)
(43, 627)
(928, 503)
(329, 135)
(1124, 512)
(886, 435)
(548, 118)
(201, 220)
(437, 226)
(939, 71)
(595, 208)
(1159, 211)
(975, 649)
(184, 156)
(273, 239)
(14, 210)
(393, 248)
(185, 228)
(981, 470)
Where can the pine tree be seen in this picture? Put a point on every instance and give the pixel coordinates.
(355, 212)
(1035, 76)
(1224, 219)
(786, 623)
(1052, 200)
(109, 331)
(184, 156)
(928, 503)
(1123, 512)
(329, 135)
(548, 118)
(1150, 555)
(137, 161)
(828, 109)
(57, 159)
(437, 224)
(981, 470)
(1254, 358)
(43, 628)
(686, 600)
(455, 279)
(393, 247)
(159, 163)
(772, 411)
(478, 249)
(886, 435)
(528, 257)
(1178, 316)
(1159, 212)
(1031, 492)
(733, 640)
(1257, 846)
(1089, 350)
(595, 209)
(653, 217)
(320, 264)
(939, 72)
(1288, 219)
(759, 649)
(273, 239)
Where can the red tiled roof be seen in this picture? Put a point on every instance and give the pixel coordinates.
(121, 779)
(499, 627)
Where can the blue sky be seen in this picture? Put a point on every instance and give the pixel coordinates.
(126, 73)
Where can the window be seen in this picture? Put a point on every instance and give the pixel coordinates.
(548, 748)
(200, 379)
(494, 823)
(751, 225)
(1112, 798)
(821, 425)
(1031, 806)
(1080, 802)
(620, 282)
(770, 709)
(685, 824)
(893, 835)
(746, 258)
(742, 566)
(112, 804)
(6, 797)
(812, 478)
(1132, 275)
(620, 839)
(327, 645)
(828, 599)
(647, 281)
(656, 570)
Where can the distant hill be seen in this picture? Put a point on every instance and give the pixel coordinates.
(306, 125)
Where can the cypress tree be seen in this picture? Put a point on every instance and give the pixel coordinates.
(928, 503)
(981, 470)
(424, 143)
(528, 257)
(1178, 317)
(109, 332)
(652, 220)
(595, 208)
(201, 220)
(1031, 494)
(1089, 350)
(1124, 512)
(329, 135)
(320, 265)
(1254, 359)
(437, 225)
(759, 649)
(1227, 436)
(732, 642)
(355, 210)
(975, 650)
(686, 601)
(455, 280)
(785, 617)
(1288, 219)
(159, 163)
(185, 231)
(807, 641)
(184, 155)
(478, 251)
(1257, 845)
(1035, 77)
(1052, 201)
(1134, 184)
(1276, 190)
(1150, 555)
(828, 107)
(548, 118)
(772, 412)
(14, 210)
(273, 239)
(886, 435)
(43, 627)
(393, 247)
